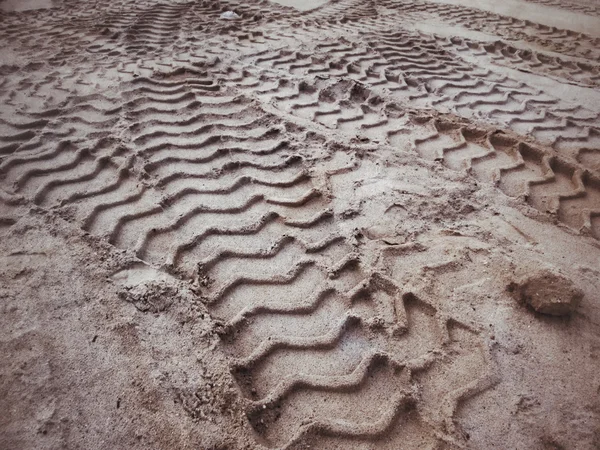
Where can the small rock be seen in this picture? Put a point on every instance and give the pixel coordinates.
(547, 293)
(230, 15)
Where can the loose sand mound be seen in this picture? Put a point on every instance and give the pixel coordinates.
(367, 225)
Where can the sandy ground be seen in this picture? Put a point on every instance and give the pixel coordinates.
(344, 225)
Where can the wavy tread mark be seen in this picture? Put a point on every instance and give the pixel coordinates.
(512, 101)
(514, 174)
(306, 323)
(420, 70)
(135, 34)
(588, 9)
(499, 52)
(564, 41)
(67, 173)
(461, 87)
(274, 335)
(183, 206)
(234, 196)
(549, 183)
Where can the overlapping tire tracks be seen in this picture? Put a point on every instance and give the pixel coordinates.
(211, 169)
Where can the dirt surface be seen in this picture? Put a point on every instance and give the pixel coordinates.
(365, 225)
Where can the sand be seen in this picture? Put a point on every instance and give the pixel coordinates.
(302, 5)
(342, 225)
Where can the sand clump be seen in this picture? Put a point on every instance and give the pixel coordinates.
(547, 292)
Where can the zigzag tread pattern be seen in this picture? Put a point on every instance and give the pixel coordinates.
(226, 188)
(567, 42)
(418, 70)
(201, 171)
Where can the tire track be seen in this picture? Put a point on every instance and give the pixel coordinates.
(548, 182)
(552, 181)
(418, 71)
(587, 9)
(502, 53)
(215, 169)
(469, 91)
(224, 192)
(554, 39)
(340, 334)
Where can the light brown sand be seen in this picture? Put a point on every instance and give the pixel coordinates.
(299, 229)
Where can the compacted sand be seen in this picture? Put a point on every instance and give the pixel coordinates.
(353, 224)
